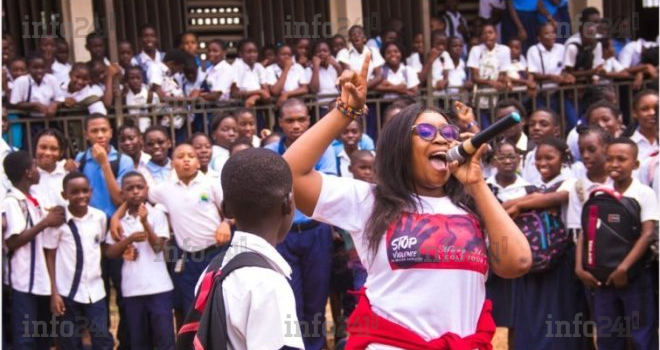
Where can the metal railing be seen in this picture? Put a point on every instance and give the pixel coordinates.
(70, 121)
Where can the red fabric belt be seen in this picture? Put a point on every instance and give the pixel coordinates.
(366, 327)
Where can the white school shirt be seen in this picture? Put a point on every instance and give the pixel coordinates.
(646, 197)
(415, 62)
(578, 193)
(92, 230)
(354, 59)
(160, 75)
(220, 77)
(501, 55)
(644, 145)
(82, 94)
(143, 60)
(648, 172)
(532, 175)
(452, 271)
(438, 67)
(571, 52)
(376, 42)
(631, 54)
(457, 74)
(17, 222)
(542, 61)
(27, 90)
(404, 75)
(294, 78)
(219, 157)
(516, 67)
(612, 65)
(148, 263)
(188, 86)
(249, 79)
(49, 189)
(193, 209)
(260, 306)
(327, 83)
(141, 99)
(517, 189)
(61, 71)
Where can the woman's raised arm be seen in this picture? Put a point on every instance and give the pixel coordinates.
(303, 154)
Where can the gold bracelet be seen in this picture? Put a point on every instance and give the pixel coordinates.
(349, 111)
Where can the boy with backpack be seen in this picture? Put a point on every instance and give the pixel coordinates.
(617, 226)
(243, 298)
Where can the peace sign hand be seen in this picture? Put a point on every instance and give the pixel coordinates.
(353, 85)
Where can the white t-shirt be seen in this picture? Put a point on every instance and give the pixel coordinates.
(571, 52)
(542, 61)
(249, 79)
(532, 175)
(438, 67)
(294, 78)
(457, 74)
(647, 199)
(404, 75)
(148, 262)
(92, 230)
(193, 210)
(498, 62)
(354, 60)
(160, 75)
(219, 157)
(415, 62)
(448, 283)
(141, 99)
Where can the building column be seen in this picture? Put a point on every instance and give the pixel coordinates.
(77, 22)
(344, 14)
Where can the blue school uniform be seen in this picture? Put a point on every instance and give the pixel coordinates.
(308, 249)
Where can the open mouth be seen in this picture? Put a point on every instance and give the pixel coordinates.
(438, 161)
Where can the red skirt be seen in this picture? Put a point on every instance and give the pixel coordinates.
(365, 327)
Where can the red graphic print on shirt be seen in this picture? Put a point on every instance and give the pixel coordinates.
(425, 241)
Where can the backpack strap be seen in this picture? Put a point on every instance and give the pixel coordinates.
(209, 330)
(89, 100)
(630, 205)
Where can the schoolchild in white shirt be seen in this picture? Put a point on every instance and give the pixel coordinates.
(352, 58)
(224, 132)
(73, 255)
(645, 134)
(36, 92)
(285, 77)
(48, 152)
(77, 92)
(398, 79)
(220, 76)
(131, 143)
(137, 93)
(203, 146)
(455, 70)
(162, 79)
(23, 237)
(148, 301)
(247, 126)
(61, 65)
(150, 53)
(157, 145)
(250, 77)
(325, 70)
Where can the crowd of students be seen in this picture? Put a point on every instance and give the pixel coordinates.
(137, 203)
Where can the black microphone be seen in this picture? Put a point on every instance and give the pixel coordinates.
(471, 145)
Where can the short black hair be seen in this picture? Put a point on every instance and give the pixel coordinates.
(134, 68)
(291, 102)
(32, 56)
(81, 65)
(218, 42)
(147, 26)
(156, 128)
(95, 116)
(585, 129)
(16, 164)
(386, 45)
(638, 96)
(359, 154)
(176, 56)
(179, 38)
(626, 141)
(553, 114)
(254, 182)
(602, 104)
(512, 103)
(129, 124)
(559, 145)
(131, 174)
(586, 12)
(72, 176)
(241, 141)
(93, 35)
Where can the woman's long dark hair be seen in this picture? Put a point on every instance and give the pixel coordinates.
(395, 190)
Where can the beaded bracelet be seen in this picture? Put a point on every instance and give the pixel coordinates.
(349, 111)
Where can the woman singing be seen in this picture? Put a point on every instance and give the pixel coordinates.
(426, 231)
